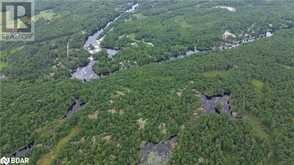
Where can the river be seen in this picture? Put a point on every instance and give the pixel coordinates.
(93, 46)
(93, 42)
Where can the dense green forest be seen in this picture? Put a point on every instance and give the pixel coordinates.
(152, 99)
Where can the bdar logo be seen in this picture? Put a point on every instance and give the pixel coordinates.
(4, 160)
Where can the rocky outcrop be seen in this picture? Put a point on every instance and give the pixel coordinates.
(75, 107)
(86, 73)
(216, 104)
(157, 153)
(22, 151)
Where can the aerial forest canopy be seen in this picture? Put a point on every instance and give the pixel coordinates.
(176, 82)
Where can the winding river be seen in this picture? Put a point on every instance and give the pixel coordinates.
(93, 46)
(93, 42)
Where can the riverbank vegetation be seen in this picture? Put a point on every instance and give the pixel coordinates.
(155, 32)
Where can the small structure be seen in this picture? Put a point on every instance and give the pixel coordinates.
(228, 35)
(268, 34)
(231, 9)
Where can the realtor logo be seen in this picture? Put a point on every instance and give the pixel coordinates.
(16, 20)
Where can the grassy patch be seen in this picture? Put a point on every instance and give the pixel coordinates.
(49, 157)
(132, 36)
(257, 127)
(11, 51)
(46, 15)
(213, 74)
(139, 16)
(5, 53)
(180, 20)
(2, 65)
(258, 85)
